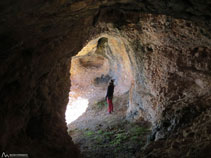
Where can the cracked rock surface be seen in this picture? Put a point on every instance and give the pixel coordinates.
(168, 44)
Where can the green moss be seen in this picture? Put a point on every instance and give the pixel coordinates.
(89, 133)
(98, 139)
(134, 138)
(119, 138)
(137, 130)
(100, 105)
(128, 137)
(100, 132)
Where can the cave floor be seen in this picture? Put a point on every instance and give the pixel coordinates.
(102, 135)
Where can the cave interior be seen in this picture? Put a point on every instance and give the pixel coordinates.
(158, 53)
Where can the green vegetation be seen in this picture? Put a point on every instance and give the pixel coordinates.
(128, 137)
(118, 139)
(89, 133)
(101, 104)
(137, 130)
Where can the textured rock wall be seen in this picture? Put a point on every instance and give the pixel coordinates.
(173, 85)
(96, 64)
(34, 86)
(171, 59)
(169, 52)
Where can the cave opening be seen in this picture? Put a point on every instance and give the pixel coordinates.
(167, 65)
(89, 124)
(102, 59)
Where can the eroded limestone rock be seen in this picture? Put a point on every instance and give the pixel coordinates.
(170, 59)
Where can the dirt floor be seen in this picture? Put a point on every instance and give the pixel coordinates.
(99, 134)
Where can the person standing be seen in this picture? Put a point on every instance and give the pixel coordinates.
(109, 96)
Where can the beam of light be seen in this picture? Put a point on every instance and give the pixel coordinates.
(75, 109)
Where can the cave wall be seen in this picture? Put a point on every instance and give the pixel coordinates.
(165, 54)
(96, 64)
(34, 86)
(170, 64)
(173, 85)
(39, 38)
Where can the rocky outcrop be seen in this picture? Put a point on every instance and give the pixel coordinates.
(169, 55)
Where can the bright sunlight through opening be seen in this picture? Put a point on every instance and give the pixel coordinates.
(75, 108)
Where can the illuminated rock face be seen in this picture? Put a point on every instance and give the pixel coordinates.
(96, 64)
(169, 62)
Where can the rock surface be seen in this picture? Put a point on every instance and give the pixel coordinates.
(168, 44)
(101, 60)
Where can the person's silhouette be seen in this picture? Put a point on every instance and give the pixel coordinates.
(109, 96)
